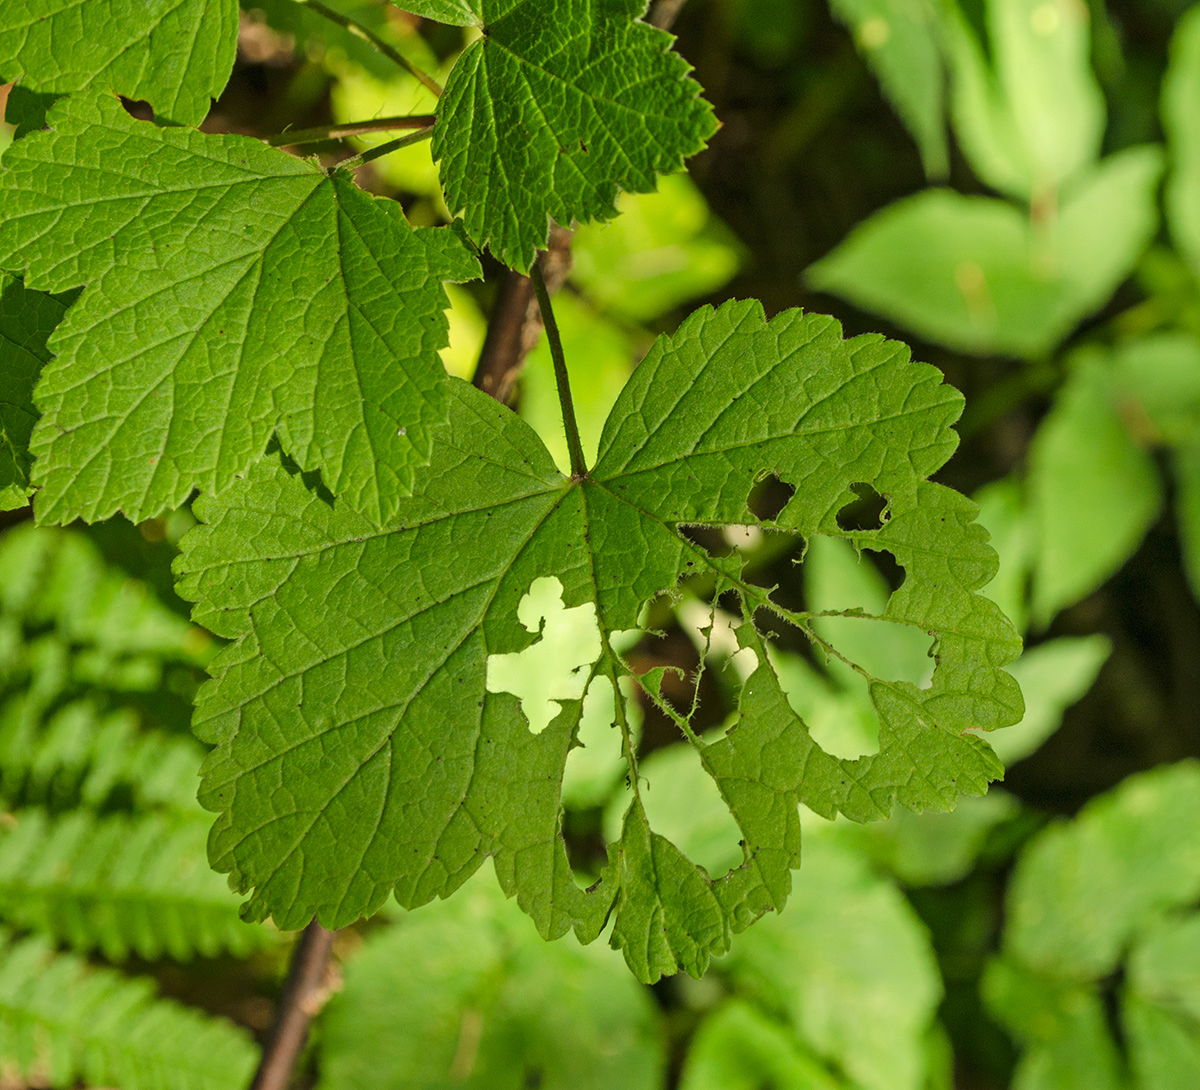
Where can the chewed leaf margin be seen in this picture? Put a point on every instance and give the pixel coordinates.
(360, 752)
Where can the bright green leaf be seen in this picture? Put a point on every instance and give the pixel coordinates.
(175, 54)
(1028, 112)
(1003, 511)
(1093, 490)
(337, 774)
(976, 274)
(27, 318)
(851, 967)
(1083, 889)
(1162, 1005)
(1181, 119)
(738, 1047)
(899, 40)
(466, 994)
(1062, 1023)
(1158, 387)
(553, 110)
(232, 292)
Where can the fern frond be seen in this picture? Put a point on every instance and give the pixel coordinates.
(120, 885)
(57, 578)
(62, 1021)
(82, 757)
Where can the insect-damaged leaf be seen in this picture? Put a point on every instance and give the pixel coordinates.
(359, 749)
(175, 54)
(232, 292)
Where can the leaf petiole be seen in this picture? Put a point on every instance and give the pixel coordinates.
(315, 135)
(371, 38)
(386, 149)
(578, 464)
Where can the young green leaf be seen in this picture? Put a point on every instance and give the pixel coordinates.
(899, 40)
(552, 110)
(466, 994)
(232, 291)
(976, 274)
(27, 318)
(175, 54)
(340, 772)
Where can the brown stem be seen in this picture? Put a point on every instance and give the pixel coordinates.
(663, 13)
(303, 996)
(515, 324)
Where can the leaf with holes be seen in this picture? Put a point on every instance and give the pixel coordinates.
(360, 749)
(175, 54)
(552, 110)
(232, 292)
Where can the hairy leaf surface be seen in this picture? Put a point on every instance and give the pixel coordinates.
(175, 54)
(232, 292)
(553, 110)
(359, 749)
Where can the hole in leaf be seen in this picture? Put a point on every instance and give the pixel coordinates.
(768, 497)
(866, 513)
(838, 579)
(682, 803)
(137, 108)
(554, 667)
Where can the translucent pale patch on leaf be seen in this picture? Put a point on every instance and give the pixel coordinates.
(842, 722)
(682, 803)
(837, 581)
(552, 668)
(597, 762)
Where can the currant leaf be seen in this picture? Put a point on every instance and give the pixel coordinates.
(232, 292)
(360, 750)
(174, 54)
(552, 110)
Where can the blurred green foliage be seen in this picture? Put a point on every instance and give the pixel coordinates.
(1013, 183)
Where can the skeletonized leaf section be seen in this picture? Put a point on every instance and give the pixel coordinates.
(175, 55)
(555, 108)
(232, 291)
(359, 748)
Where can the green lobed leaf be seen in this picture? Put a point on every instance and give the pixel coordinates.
(466, 994)
(552, 110)
(27, 318)
(359, 749)
(175, 54)
(976, 274)
(232, 292)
